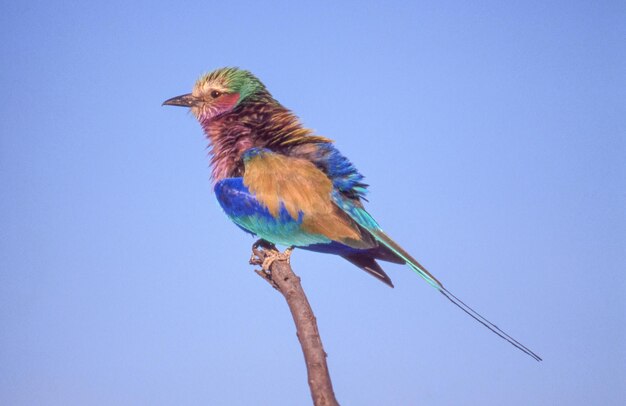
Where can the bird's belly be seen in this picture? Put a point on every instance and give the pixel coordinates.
(278, 231)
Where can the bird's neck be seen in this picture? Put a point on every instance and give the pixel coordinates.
(258, 124)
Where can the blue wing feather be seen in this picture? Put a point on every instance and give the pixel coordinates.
(344, 175)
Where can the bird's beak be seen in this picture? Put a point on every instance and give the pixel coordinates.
(185, 100)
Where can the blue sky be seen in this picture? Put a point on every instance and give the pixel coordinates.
(492, 135)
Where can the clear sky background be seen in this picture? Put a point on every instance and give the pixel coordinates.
(492, 135)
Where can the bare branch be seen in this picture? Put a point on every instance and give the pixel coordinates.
(276, 270)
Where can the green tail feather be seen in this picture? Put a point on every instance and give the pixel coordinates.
(365, 220)
(410, 261)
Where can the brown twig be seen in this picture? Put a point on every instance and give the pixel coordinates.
(277, 271)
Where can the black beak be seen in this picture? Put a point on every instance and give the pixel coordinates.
(185, 100)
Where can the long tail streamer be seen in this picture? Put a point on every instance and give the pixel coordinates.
(479, 318)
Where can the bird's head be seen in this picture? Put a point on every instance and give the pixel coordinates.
(219, 92)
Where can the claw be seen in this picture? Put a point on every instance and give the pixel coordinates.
(271, 256)
(264, 253)
(260, 249)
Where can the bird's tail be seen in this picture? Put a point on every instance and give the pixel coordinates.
(365, 220)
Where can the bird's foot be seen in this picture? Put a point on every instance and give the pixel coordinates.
(260, 250)
(264, 253)
(275, 255)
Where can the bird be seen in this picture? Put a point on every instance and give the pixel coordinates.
(285, 184)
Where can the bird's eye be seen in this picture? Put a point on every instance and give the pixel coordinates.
(215, 94)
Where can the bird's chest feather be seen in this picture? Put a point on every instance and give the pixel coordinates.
(228, 144)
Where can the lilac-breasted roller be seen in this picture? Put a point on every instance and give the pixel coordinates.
(279, 181)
